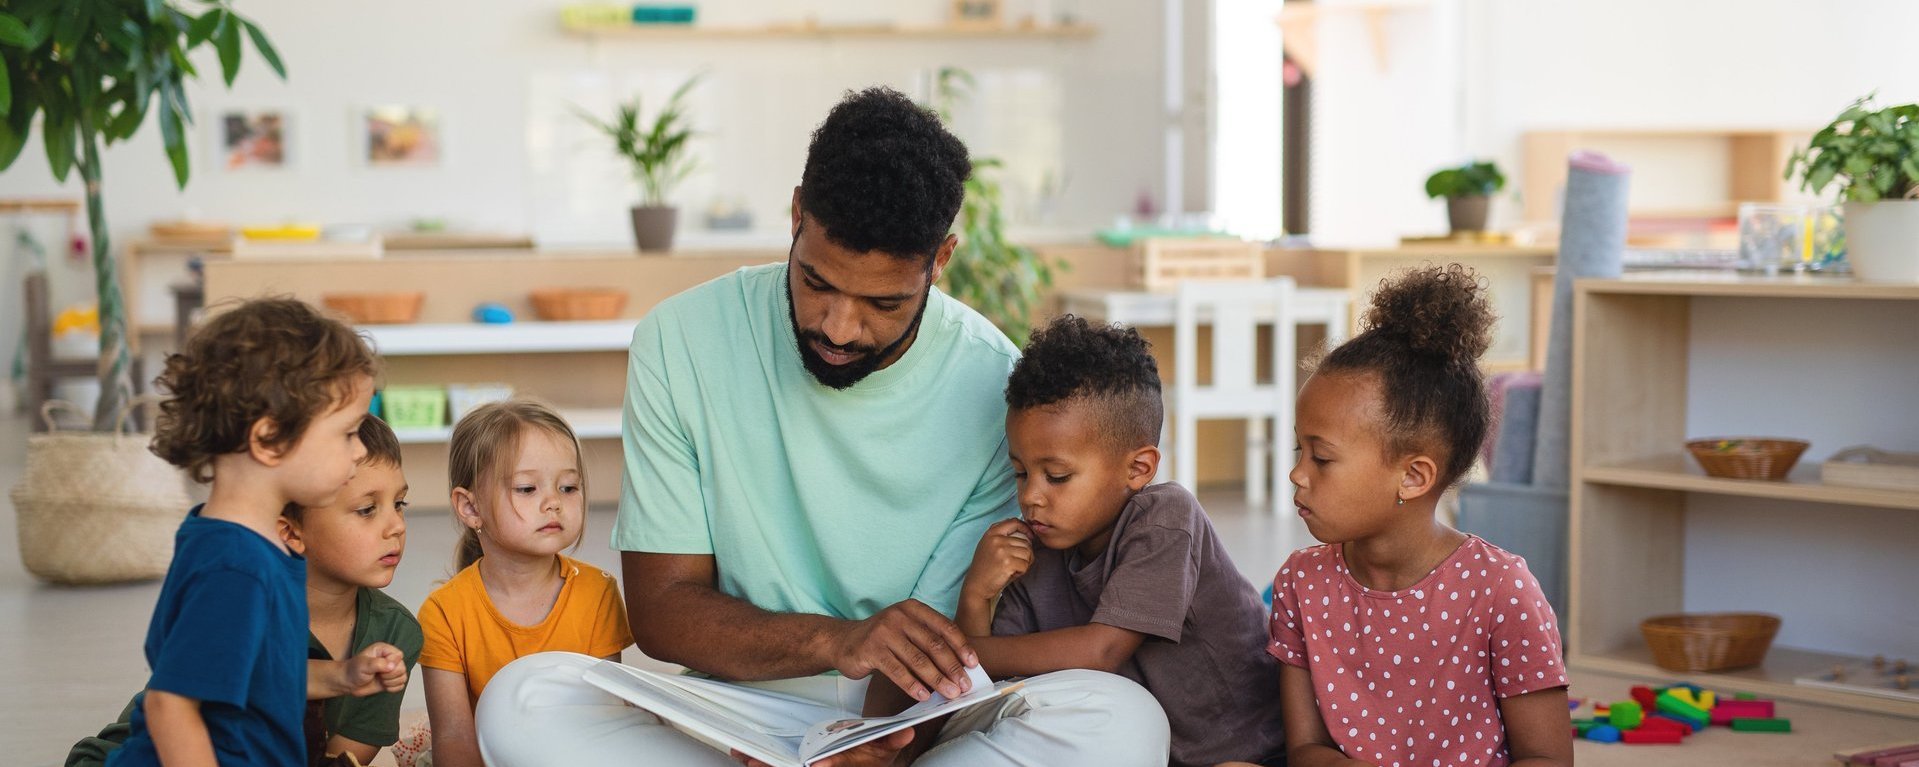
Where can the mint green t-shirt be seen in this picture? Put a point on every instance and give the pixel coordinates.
(810, 499)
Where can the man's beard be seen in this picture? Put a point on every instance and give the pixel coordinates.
(844, 376)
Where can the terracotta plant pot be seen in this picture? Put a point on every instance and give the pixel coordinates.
(1467, 214)
(653, 227)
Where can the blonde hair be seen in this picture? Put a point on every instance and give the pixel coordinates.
(484, 446)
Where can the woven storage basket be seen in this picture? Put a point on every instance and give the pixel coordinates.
(95, 507)
(555, 304)
(1709, 641)
(377, 308)
(1747, 457)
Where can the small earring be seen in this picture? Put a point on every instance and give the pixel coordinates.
(1400, 502)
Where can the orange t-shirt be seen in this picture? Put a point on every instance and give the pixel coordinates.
(465, 634)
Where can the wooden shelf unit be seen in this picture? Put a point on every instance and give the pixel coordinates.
(1753, 163)
(823, 32)
(1508, 270)
(1631, 488)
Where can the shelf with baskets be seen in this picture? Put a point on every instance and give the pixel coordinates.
(1663, 358)
(509, 338)
(587, 423)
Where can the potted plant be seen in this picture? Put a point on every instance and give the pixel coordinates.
(1003, 281)
(658, 152)
(95, 75)
(93, 69)
(1873, 156)
(1468, 190)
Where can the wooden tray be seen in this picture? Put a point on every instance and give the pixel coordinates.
(1871, 467)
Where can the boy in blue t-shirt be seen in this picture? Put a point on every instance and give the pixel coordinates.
(266, 404)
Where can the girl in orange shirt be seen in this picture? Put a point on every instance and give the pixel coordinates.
(519, 492)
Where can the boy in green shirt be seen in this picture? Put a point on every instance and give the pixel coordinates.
(352, 548)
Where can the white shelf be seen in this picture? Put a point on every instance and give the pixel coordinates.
(588, 423)
(509, 338)
(1772, 679)
(1676, 471)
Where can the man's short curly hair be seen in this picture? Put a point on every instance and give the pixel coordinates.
(1107, 367)
(274, 358)
(883, 174)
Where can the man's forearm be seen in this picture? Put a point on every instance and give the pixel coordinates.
(707, 631)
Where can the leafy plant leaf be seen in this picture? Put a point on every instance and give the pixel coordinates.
(173, 135)
(13, 32)
(226, 40)
(202, 29)
(57, 131)
(265, 48)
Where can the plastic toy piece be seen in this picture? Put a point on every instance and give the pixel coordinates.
(1583, 726)
(1645, 736)
(1705, 699)
(1761, 725)
(1645, 697)
(1728, 710)
(1745, 696)
(1669, 702)
(1657, 722)
(1604, 733)
(1689, 697)
(1694, 725)
(1626, 715)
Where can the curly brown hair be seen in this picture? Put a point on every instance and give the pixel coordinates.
(272, 358)
(1424, 334)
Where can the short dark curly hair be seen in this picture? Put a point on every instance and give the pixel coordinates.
(1109, 367)
(883, 174)
(1423, 337)
(273, 358)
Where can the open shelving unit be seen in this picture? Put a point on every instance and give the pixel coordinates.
(822, 32)
(1643, 357)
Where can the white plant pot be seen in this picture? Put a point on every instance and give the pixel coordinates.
(1882, 240)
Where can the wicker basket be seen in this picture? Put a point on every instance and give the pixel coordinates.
(578, 303)
(1163, 263)
(1709, 641)
(1747, 457)
(96, 507)
(377, 308)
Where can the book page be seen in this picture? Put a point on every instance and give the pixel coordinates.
(840, 734)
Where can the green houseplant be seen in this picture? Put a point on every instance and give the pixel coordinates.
(94, 70)
(1871, 156)
(1000, 279)
(659, 153)
(1468, 190)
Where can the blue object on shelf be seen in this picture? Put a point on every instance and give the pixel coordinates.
(374, 408)
(492, 314)
(1267, 596)
(662, 14)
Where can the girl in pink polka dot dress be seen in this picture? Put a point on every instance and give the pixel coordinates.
(1401, 640)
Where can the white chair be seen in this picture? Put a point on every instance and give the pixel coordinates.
(1235, 310)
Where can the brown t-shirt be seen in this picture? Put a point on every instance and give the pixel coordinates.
(1165, 574)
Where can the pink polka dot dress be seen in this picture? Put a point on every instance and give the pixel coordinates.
(1414, 677)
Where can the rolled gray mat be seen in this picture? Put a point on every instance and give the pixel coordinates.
(1592, 238)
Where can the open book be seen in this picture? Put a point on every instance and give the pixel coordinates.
(779, 729)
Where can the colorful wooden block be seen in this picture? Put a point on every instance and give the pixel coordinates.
(1650, 736)
(1604, 733)
(1686, 696)
(1694, 725)
(1677, 702)
(1582, 726)
(1706, 699)
(1657, 722)
(1626, 715)
(1761, 725)
(1645, 697)
(1728, 710)
(1745, 696)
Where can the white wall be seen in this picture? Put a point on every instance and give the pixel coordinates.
(1468, 77)
(501, 74)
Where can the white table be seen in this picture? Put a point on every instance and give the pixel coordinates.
(1317, 306)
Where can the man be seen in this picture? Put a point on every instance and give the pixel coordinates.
(813, 449)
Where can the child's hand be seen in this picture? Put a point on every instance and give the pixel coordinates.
(1003, 555)
(379, 668)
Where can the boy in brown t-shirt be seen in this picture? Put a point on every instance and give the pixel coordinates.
(1125, 578)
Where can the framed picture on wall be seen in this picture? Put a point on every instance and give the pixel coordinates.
(978, 14)
(401, 137)
(254, 140)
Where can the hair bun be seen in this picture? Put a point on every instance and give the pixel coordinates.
(1436, 311)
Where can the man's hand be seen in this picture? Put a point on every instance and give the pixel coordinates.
(379, 668)
(913, 645)
(1003, 555)
(879, 753)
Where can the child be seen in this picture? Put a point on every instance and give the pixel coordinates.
(351, 547)
(519, 491)
(1126, 578)
(266, 403)
(1405, 641)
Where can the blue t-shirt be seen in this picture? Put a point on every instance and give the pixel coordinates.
(230, 630)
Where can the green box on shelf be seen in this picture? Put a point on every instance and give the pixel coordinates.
(414, 407)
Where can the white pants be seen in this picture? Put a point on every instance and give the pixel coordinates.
(540, 711)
